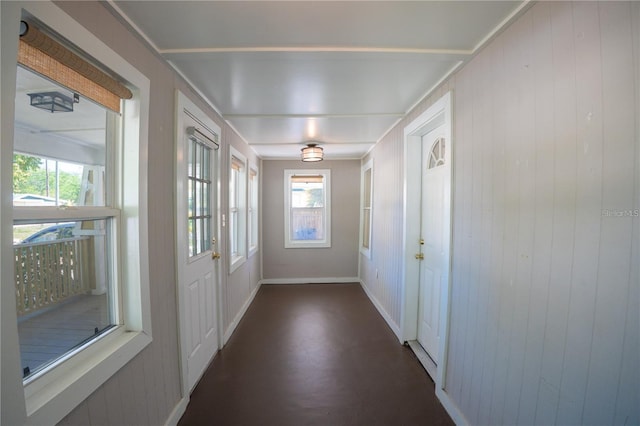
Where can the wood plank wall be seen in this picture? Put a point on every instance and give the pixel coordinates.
(146, 391)
(545, 302)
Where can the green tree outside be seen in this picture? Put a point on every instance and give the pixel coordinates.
(30, 177)
(23, 166)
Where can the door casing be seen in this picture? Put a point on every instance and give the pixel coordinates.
(438, 114)
(183, 104)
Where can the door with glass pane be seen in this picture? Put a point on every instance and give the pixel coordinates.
(197, 241)
(434, 238)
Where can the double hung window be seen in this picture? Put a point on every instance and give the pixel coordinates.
(366, 200)
(307, 208)
(237, 209)
(79, 254)
(253, 210)
(65, 225)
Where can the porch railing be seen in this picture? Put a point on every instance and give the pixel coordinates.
(307, 223)
(50, 272)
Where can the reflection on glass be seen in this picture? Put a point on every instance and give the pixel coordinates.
(62, 288)
(307, 208)
(199, 194)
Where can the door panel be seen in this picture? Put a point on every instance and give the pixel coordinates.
(197, 257)
(210, 307)
(194, 322)
(435, 172)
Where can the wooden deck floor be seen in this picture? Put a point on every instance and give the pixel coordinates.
(47, 335)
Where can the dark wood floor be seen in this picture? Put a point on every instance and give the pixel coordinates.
(314, 354)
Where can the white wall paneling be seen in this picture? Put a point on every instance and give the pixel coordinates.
(544, 304)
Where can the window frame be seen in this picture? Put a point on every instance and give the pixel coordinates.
(288, 241)
(253, 209)
(49, 397)
(366, 210)
(240, 256)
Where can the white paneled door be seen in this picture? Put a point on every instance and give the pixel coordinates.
(197, 243)
(434, 237)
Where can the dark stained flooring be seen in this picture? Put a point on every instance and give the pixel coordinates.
(314, 354)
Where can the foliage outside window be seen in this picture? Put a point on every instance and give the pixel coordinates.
(79, 261)
(307, 208)
(63, 258)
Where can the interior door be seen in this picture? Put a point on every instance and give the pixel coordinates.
(197, 241)
(434, 238)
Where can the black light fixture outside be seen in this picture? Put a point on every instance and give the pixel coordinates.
(53, 101)
(311, 153)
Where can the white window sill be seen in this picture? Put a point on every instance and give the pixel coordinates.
(366, 252)
(236, 262)
(320, 244)
(60, 390)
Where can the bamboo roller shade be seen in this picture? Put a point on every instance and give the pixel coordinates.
(47, 57)
(307, 179)
(236, 163)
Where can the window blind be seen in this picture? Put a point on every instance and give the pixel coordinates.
(307, 179)
(45, 56)
(236, 164)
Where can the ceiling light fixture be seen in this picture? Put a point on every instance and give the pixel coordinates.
(312, 152)
(53, 101)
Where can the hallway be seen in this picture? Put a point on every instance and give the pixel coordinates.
(314, 354)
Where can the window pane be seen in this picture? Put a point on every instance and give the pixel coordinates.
(199, 197)
(366, 227)
(207, 233)
(191, 157)
(190, 198)
(60, 157)
(307, 194)
(367, 188)
(199, 235)
(233, 224)
(192, 237)
(207, 164)
(206, 191)
(307, 224)
(62, 286)
(233, 189)
(198, 206)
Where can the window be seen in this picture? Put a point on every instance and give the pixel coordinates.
(237, 209)
(79, 261)
(253, 209)
(307, 208)
(199, 215)
(436, 155)
(366, 205)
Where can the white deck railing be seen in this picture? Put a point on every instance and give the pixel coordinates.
(307, 223)
(50, 272)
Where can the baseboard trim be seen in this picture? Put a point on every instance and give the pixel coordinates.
(325, 280)
(240, 314)
(424, 359)
(392, 325)
(177, 412)
(456, 415)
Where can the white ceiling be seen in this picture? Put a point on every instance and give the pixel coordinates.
(340, 73)
(84, 126)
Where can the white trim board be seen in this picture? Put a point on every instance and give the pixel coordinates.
(323, 280)
(385, 315)
(177, 412)
(234, 324)
(424, 358)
